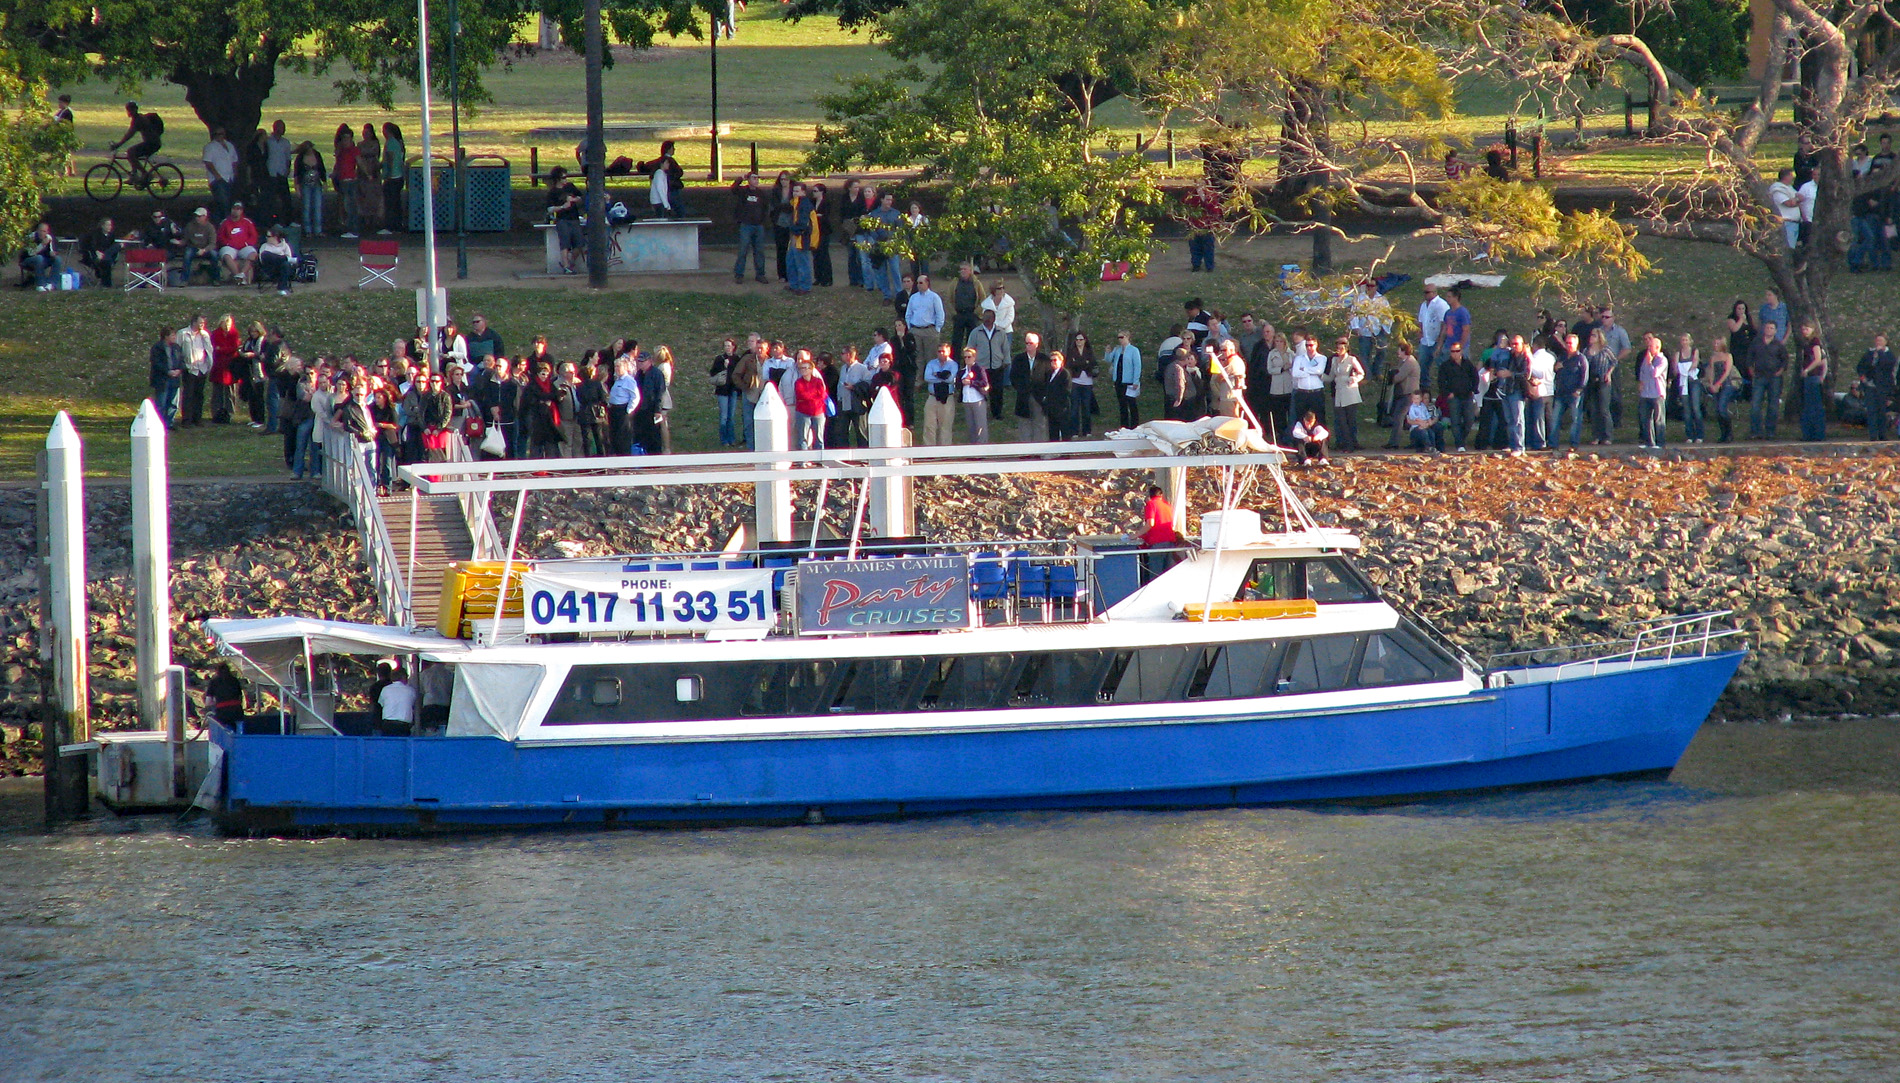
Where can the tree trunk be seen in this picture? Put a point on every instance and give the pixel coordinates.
(1305, 146)
(1323, 240)
(231, 98)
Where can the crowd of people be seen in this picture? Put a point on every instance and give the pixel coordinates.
(1560, 384)
(805, 225)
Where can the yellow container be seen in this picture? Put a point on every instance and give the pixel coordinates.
(469, 589)
(1253, 610)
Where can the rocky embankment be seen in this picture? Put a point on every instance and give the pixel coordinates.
(241, 551)
(1500, 553)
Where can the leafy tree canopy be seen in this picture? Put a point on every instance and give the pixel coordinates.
(33, 148)
(1002, 116)
(226, 53)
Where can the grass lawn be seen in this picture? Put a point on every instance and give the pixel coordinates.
(86, 352)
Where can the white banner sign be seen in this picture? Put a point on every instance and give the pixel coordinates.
(648, 601)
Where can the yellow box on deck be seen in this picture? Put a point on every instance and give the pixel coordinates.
(1253, 610)
(469, 588)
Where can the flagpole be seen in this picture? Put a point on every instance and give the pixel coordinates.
(428, 192)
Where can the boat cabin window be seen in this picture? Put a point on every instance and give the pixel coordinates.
(1326, 580)
(680, 692)
(1320, 664)
(1389, 660)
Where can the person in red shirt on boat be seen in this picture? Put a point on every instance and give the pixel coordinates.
(237, 244)
(1157, 517)
(809, 396)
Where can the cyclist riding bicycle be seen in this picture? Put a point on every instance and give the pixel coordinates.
(150, 128)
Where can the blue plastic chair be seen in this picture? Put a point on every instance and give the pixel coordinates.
(636, 567)
(1065, 585)
(678, 566)
(705, 566)
(1032, 581)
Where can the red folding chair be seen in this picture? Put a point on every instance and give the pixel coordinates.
(146, 267)
(379, 262)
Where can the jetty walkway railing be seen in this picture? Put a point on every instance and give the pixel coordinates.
(347, 475)
(486, 540)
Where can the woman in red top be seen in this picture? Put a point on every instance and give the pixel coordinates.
(808, 406)
(343, 174)
(226, 341)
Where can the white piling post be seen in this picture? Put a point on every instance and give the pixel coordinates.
(151, 565)
(66, 565)
(891, 515)
(773, 499)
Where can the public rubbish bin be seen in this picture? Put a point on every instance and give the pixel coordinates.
(487, 199)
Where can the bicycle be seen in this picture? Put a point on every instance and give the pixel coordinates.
(106, 180)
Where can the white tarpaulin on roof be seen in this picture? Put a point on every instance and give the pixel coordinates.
(490, 699)
(1174, 437)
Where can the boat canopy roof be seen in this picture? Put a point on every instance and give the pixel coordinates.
(273, 643)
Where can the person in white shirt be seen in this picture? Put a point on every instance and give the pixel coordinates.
(1805, 195)
(1124, 371)
(438, 686)
(1309, 378)
(1788, 206)
(1540, 398)
(451, 345)
(398, 703)
(973, 383)
(1004, 306)
(194, 341)
(276, 260)
(220, 160)
(1309, 438)
(1431, 319)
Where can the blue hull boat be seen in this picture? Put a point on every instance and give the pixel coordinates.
(1626, 721)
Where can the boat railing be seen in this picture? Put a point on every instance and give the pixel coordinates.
(346, 476)
(1659, 639)
(485, 539)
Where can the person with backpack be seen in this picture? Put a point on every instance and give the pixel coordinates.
(150, 130)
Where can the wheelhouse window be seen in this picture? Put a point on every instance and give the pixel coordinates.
(1326, 580)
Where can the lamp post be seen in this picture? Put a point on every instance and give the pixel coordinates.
(455, 125)
(428, 190)
(718, 166)
(596, 164)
